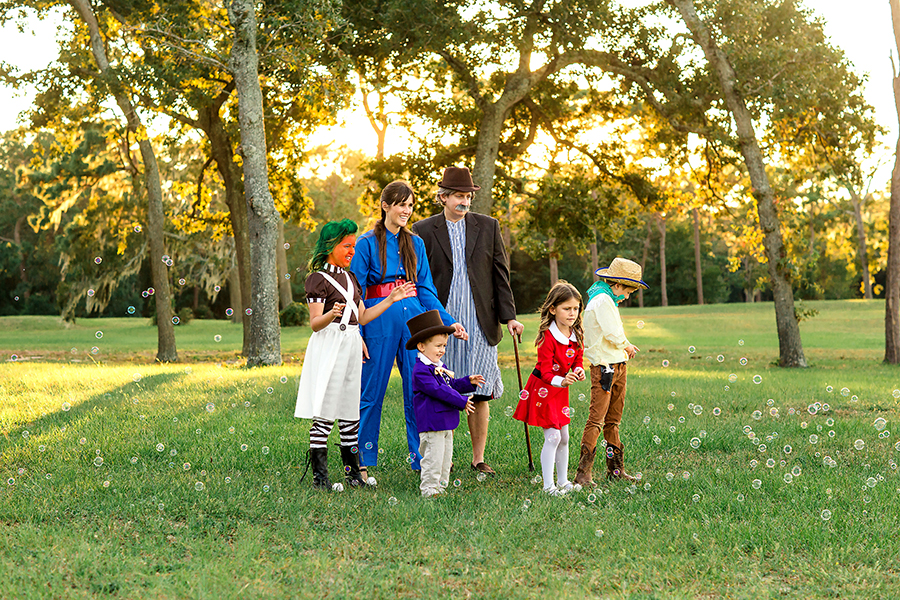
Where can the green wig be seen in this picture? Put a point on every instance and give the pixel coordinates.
(332, 233)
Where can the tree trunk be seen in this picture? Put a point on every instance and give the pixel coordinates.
(284, 282)
(892, 285)
(166, 351)
(862, 252)
(195, 303)
(486, 152)
(644, 261)
(234, 295)
(698, 267)
(595, 260)
(265, 334)
(789, 342)
(663, 289)
(223, 153)
(554, 262)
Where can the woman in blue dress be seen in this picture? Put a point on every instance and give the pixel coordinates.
(385, 257)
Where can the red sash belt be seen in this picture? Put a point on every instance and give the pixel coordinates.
(383, 290)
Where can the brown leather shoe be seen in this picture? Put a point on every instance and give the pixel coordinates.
(483, 468)
(615, 465)
(585, 466)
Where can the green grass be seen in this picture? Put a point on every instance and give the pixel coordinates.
(254, 530)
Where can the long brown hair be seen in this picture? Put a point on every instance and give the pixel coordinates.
(396, 192)
(559, 293)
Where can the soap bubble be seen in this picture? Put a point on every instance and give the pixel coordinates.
(859, 444)
(829, 389)
(788, 449)
(283, 379)
(210, 407)
(217, 338)
(732, 378)
(265, 449)
(788, 478)
(665, 363)
(896, 394)
(181, 281)
(879, 424)
(229, 312)
(98, 461)
(717, 411)
(695, 443)
(691, 349)
(392, 501)
(90, 293)
(757, 379)
(740, 342)
(756, 484)
(137, 228)
(845, 392)
(743, 362)
(175, 320)
(199, 486)
(825, 514)
(813, 439)
(640, 324)
(248, 312)
(136, 377)
(647, 420)
(720, 358)
(99, 335)
(160, 447)
(698, 410)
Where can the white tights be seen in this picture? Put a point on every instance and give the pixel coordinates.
(555, 450)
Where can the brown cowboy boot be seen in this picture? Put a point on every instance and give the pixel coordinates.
(615, 465)
(585, 465)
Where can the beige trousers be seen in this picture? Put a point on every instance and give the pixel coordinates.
(436, 448)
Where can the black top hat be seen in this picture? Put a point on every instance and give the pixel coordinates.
(458, 179)
(424, 326)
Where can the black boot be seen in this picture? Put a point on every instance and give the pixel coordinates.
(319, 459)
(350, 458)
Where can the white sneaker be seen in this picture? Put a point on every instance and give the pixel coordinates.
(555, 491)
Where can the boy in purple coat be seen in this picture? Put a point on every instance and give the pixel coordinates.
(437, 398)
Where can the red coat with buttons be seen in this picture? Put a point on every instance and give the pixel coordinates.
(541, 404)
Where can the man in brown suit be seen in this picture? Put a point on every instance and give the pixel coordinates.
(470, 269)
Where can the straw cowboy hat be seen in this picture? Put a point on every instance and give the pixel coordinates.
(458, 179)
(623, 271)
(424, 326)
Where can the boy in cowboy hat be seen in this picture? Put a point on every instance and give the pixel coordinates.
(437, 398)
(608, 351)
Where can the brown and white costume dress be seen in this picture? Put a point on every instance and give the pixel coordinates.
(332, 368)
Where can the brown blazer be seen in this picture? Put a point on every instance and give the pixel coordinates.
(486, 263)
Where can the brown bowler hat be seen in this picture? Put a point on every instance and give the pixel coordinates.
(458, 179)
(424, 326)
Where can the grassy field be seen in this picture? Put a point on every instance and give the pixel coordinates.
(120, 478)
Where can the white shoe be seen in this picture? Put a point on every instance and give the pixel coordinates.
(555, 491)
(570, 487)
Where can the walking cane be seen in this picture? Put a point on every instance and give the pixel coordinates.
(519, 373)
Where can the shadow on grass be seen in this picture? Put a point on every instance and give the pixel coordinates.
(107, 399)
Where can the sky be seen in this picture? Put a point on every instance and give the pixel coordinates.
(862, 28)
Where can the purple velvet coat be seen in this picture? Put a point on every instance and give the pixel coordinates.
(437, 402)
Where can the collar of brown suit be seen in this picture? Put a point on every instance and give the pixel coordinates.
(443, 235)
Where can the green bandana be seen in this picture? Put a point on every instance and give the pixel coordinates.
(601, 287)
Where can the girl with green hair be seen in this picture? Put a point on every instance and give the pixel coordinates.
(330, 380)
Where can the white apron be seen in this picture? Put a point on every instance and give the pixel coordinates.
(331, 376)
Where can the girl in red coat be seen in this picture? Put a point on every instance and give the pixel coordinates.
(545, 400)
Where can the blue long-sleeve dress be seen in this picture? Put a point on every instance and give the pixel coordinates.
(386, 338)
